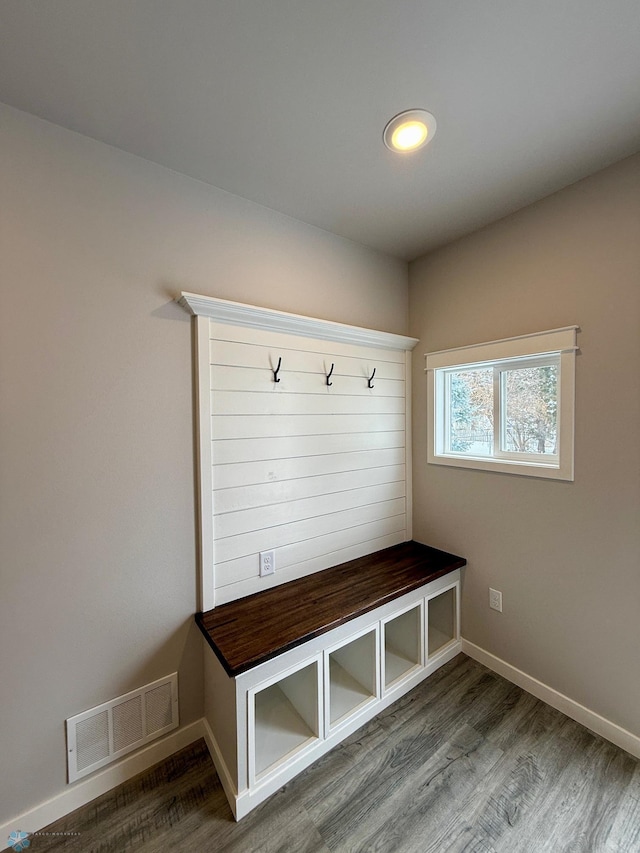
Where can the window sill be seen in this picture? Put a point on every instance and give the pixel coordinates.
(505, 466)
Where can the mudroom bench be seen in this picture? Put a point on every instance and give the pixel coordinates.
(291, 671)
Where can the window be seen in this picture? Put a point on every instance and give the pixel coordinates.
(506, 405)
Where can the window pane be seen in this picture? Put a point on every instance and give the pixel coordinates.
(531, 409)
(470, 394)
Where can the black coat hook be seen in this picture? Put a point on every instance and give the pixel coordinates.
(329, 375)
(277, 370)
(370, 379)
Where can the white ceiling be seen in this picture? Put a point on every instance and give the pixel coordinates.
(284, 101)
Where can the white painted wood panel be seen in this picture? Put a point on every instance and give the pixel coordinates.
(278, 470)
(261, 518)
(206, 595)
(308, 567)
(233, 354)
(279, 536)
(255, 449)
(230, 378)
(245, 497)
(289, 556)
(315, 449)
(324, 402)
(226, 427)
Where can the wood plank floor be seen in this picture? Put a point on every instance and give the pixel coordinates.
(464, 762)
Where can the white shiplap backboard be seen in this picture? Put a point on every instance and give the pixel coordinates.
(317, 473)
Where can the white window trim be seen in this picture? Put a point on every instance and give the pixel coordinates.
(557, 342)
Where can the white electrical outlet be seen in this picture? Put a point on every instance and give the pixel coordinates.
(495, 599)
(267, 563)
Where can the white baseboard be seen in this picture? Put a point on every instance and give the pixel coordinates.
(220, 765)
(82, 792)
(600, 725)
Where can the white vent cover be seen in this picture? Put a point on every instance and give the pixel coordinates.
(102, 734)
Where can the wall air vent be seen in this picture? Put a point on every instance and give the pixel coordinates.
(103, 734)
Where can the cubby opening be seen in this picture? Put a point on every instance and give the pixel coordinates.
(286, 717)
(352, 677)
(442, 621)
(402, 645)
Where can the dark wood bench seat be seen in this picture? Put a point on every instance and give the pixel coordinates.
(255, 629)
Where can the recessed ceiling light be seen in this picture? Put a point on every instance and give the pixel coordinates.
(409, 130)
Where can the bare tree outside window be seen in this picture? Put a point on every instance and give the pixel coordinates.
(531, 410)
(471, 412)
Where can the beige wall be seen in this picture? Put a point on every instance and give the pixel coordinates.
(565, 555)
(97, 539)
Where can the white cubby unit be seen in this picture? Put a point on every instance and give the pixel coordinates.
(402, 646)
(267, 722)
(443, 620)
(284, 720)
(351, 677)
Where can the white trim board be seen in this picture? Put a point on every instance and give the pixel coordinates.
(589, 719)
(555, 340)
(240, 314)
(82, 792)
(221, 765)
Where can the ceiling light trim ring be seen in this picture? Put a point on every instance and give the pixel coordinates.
(409, 131)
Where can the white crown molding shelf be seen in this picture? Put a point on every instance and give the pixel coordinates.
(239, 314)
